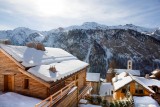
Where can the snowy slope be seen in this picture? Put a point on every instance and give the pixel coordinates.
(100, 45)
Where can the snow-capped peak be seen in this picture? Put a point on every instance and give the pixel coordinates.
(87, 25)
(94, 25)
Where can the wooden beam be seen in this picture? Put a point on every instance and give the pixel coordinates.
(9, 56)
(34, 77)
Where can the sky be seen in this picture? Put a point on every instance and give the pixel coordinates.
(51, 14)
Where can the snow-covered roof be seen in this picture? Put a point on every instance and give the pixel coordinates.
(149, 82)
(123, 80)
(133, 72)
(32, 57)
(63, 69)
(40, 61)
(11, 99)
(88, 105)
(143, 84)
(145, 101)
(106, 89)
(155, 72)
(94, 77)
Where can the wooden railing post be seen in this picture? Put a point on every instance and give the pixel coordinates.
(50, 100)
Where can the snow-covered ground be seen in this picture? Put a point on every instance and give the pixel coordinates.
(145, 102)
(11, 99)
(88, 105)
(1, 93)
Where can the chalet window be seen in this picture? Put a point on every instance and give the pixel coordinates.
(155, 89)
(26, 83)
(111, 92)
(123, 91)
(77, 76)
(138, 89)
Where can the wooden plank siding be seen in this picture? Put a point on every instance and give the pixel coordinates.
(35, 89)
(9, 67)
(117, 95)
(95, 86)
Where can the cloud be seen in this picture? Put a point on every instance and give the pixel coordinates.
(49, 14)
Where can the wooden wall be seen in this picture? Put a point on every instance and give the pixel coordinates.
(36, 89)
(109, 77)
(8, 67)
(79, 77)
(81, 80)
(1, 82)
(95, 86)
(70, 100)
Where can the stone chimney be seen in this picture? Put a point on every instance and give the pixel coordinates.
(129, 65)
(38, 46)
(53, 69)
(147, 76)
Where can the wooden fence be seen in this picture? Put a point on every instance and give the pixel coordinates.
(84, 91)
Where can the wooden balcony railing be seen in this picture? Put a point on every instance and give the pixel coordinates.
(53, 99)
(84, 91)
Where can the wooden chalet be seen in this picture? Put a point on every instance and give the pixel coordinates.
(137, 86)
(94, 79)
(40, 73)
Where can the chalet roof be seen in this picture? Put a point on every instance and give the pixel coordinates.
(133, 72)
(149, 82)
(121, 82)
(156, 73)
(63, 69)
(105, 88)
(124, 80)
(39, 61)
(31, 57)
(94, 77)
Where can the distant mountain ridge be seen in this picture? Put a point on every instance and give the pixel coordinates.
(100, 45)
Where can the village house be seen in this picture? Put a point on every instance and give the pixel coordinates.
(40, 72)
(137, 86)
(94, 79)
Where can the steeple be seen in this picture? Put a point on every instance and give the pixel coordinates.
(129, 65)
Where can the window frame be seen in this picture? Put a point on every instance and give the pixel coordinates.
(26, 84)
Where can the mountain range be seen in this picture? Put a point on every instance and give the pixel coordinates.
(102, 46)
